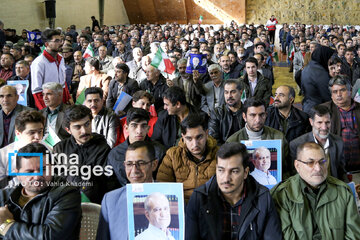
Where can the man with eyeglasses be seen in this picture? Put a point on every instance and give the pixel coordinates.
(320, 120)
(140, 164)
(49, 67)
(137, 126)
(312, 204)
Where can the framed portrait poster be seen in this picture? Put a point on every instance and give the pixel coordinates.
(155, 211)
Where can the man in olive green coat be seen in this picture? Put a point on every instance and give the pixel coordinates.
(313, 205)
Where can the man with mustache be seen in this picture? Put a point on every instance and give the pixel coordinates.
(254, 114)
(312, 204)
(55, 108)
(227, 119)
(320, 120)
(90, 148)
(232, 205)
(192, 162)
(105, 121)
(283, 116)
(345, 120)
(29, 210)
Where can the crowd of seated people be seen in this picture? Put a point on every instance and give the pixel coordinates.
(61, 97)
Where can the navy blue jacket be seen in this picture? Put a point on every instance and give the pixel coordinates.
(259, 219)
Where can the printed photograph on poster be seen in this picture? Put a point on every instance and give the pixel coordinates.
(21, 88)
(155, 211)
(265, 161)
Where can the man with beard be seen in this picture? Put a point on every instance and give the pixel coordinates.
(227, 119)
(254, 114)
(228, 73)
(30, 209)
(120, 83)
(190, 83)
(49, 67)
(286, 118)
(320, 120)
(105, 121)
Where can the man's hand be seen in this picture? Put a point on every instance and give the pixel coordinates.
(5, 214)
(196, 75)
(169, 82)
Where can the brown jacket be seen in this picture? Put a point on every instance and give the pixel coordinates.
(178, 167)
(100, 80)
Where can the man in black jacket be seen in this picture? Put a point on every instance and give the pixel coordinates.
(286, 118)
(84, 148)
(232, 205)
(42, 206)
(120, 83)
(155, 84)
(137, 126)
(227, 119)
(166, 129)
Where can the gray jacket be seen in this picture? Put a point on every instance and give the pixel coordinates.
(106, 123)
(208, 101)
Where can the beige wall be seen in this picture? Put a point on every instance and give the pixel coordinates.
(30, 14)
(304, 11)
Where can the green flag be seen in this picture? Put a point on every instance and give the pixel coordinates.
(52, 138)
(243, 96)
(84, 198)
(81, 98)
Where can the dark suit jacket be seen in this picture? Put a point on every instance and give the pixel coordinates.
(130, 87)
(59, 130)
(11, 135)
(336, 152)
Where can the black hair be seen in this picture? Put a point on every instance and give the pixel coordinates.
(194, 120)
(143, 144)
(253, 102)
(230, 149)
(239, 85)
(260, 44)
(252, 60)
(137, 115)
(319, 110)
(94, 63)
(30, 148)
(175, 94)
(48, 34)
(141, 94)
(123, 67)
(76, 113)
(94, 90)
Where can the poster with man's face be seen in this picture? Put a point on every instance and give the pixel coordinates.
(21, 89)
(265, 161)
(155, 211)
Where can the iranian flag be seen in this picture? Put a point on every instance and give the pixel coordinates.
(162, 62)
(201, 18)
(357, 96)
(89, 52)
(291, 52)
(243, 97)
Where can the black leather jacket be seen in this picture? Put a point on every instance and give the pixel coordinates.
(53, 214)
(107, 123)
(298, 122)
(221, 121)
